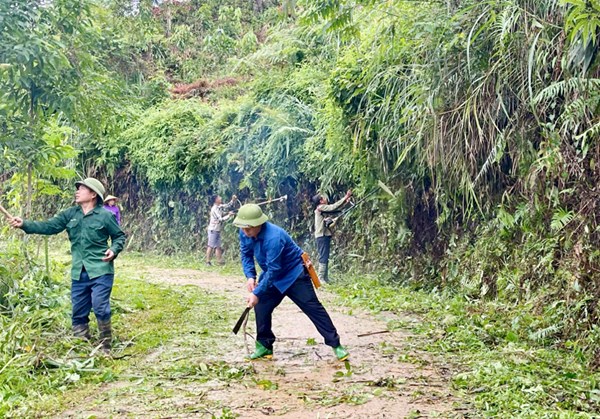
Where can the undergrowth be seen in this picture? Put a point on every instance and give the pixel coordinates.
(43, 369)
(507, 362)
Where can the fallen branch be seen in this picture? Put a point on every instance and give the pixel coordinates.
(246, 334)
(370, 382)
(373, 333)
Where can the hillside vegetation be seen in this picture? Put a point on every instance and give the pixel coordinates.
(470, 127)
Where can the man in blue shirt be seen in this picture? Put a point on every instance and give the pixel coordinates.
(283, 275)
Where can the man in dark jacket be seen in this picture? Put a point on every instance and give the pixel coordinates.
(283, 275)
(89, 227)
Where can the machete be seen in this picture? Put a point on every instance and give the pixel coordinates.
(237, 326)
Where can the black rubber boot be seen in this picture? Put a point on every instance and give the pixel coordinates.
(323, 272)
(105, 330)
(82, 331)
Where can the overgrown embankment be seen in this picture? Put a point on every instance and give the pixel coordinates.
(478, 119)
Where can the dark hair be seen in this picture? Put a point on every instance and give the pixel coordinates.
(316, 199)
(213, 198)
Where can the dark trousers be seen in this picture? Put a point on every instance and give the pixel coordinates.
(88, 294)
(303, 295)
(323, 247)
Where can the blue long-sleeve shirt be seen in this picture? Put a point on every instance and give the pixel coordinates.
(279, 257)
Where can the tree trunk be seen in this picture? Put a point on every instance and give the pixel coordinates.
(29, 190)
(169, 20)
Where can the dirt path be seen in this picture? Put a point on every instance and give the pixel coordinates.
(302, 381)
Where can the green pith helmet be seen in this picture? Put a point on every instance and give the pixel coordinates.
(250, 215)
(94, 185)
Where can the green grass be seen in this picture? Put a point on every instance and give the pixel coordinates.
(185, 261)
(501, 365)
(145, 317)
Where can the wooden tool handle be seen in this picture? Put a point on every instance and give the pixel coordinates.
(6, 213)
(310, 268)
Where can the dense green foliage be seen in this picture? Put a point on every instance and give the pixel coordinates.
(480, 117)
(33, 315)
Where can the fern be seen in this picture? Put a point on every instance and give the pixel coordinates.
(564, 87)
(560, 219)
(590, 133)
(541, 335)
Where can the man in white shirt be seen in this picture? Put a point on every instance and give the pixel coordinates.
(215, 226)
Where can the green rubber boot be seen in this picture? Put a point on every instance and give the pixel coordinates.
(341, 353)
(260, 352)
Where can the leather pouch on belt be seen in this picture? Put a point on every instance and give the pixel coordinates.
(310, 268)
